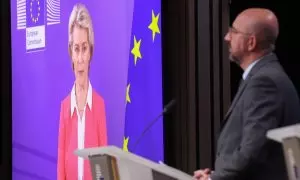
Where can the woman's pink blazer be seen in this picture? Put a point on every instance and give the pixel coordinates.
(95, 136)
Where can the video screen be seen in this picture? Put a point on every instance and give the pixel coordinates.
(84, 74)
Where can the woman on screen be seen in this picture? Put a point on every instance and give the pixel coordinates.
(82, 114)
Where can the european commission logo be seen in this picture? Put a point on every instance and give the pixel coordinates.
(32, 17)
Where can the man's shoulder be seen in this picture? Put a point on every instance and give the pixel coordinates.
(273, 75)
(272, 71)
(271, 67)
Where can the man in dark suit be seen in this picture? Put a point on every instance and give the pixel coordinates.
(266, 99)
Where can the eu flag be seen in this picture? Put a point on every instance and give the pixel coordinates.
(144, 83)
(35, 13)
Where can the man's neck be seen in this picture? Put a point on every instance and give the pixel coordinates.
(251, 58)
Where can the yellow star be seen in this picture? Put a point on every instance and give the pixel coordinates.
(136, 50)
(127, 94)
(154, 25)
(125, 144)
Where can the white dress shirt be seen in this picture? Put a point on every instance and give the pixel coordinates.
(248, 69)
(81, 124)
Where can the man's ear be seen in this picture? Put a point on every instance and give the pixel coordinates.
(252, 43)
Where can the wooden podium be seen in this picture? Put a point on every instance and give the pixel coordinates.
(112, 163)
(289, 137)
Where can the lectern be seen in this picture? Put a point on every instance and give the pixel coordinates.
(289, 137)
(112, 163)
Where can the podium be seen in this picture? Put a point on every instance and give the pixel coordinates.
(289, 137)
(112, 163)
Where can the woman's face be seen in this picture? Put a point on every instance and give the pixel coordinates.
(81, 54)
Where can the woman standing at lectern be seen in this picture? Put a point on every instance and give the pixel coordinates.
(82, 115)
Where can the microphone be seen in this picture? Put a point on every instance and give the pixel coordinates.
(165, 110)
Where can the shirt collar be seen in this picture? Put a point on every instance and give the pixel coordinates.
(248, 69)
(73, 98)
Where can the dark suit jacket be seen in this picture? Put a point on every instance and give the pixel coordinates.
(267, 99)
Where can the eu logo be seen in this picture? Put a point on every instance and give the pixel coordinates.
(35, 25)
